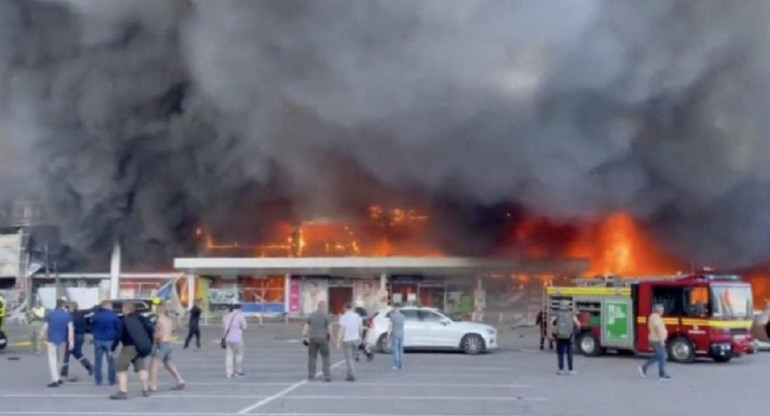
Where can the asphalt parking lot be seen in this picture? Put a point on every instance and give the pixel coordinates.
(516, 380)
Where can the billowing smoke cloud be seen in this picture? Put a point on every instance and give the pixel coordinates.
(139, 120)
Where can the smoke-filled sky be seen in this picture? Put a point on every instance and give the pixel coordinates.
(138, 120)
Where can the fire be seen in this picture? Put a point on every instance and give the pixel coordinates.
(617, 245)
(760, 287)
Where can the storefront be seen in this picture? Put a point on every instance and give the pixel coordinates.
(296, 286)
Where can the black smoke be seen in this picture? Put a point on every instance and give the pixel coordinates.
(140, 120)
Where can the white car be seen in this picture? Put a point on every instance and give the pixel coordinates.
(427, 328)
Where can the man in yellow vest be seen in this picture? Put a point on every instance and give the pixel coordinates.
(36, 319)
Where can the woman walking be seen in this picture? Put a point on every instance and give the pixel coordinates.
(234, 323)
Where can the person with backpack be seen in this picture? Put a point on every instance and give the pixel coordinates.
(564, 325)
(136, 335)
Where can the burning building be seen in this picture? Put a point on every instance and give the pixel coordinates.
(230, 128)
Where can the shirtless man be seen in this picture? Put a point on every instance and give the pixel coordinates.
(163, 331)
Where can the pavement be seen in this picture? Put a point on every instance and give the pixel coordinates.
(517, 380)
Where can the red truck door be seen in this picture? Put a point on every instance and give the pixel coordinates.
(642, 294)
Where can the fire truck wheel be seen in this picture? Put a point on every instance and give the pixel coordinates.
(589, 345)
(680, 350)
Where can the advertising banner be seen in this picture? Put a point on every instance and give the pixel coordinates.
(313, 292)
(294, 295)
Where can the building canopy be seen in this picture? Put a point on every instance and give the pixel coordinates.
(369, 266)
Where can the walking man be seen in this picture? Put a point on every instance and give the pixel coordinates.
(60, 334)
(79, 325)
(361, 311)
(234, 324)
(163, 331)
(349, 338)
(136, 335)
(316, 335)
(36, 319)
(397, 320)
(564, 325)
(542, 322)
(106, 331)
(658, 336)
(193, 328)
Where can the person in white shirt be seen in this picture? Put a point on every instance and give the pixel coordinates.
(349, 338)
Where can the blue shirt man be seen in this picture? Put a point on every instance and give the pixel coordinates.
(397, 320)
(106, 329)
(59, 324)
(61, 338)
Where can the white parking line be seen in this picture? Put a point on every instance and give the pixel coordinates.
(281, 393)
(463, 385)
(103, 413)
(140, 413)
(154, 396)
(417, 397)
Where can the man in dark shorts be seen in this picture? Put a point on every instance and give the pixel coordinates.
(316, 335)
(79, 323)
(136, 335)
(194, 328)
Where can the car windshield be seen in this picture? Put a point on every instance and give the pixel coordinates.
(731, 301)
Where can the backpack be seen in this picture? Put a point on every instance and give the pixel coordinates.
(565, 326)
(137, 331)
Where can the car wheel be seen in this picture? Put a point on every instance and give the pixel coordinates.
(589, 344)
(680, 350)
(384, 345)
(3, 340)
(473, 344)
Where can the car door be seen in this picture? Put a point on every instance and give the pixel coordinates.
(437, 330)
(413, 336)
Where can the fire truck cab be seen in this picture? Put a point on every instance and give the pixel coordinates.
(706, 315)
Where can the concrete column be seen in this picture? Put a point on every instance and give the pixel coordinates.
(190, 291)
(115, 272)
(384, 281)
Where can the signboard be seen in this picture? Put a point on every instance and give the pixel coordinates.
(616, 323)
(10, 255)
(295, 295)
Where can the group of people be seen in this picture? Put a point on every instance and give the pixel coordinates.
(561, 330)
(142, 345)
(351, 338)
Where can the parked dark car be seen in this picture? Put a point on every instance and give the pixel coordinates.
(143, 306)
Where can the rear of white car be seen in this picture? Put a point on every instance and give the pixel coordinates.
(426, 328)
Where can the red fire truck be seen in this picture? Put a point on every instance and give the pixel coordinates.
(706, 315)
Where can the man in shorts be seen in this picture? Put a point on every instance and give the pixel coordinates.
(163, 331)
(136, 335)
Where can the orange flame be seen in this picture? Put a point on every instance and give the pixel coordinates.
(617, 245)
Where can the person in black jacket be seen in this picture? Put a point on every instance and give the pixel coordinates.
(136, 335)
(194, 326)
(542, 321)
(79, 323)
